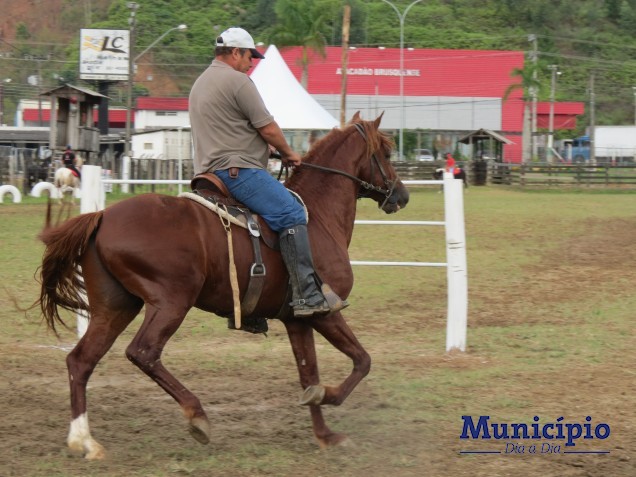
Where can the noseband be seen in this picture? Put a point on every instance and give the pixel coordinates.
(368, 187)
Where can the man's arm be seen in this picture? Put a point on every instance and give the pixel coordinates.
(272, 134)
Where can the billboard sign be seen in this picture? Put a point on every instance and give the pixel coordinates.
(104, 54)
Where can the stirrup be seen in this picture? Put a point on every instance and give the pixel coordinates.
(331, 304)
(303, 310)
(334, 301)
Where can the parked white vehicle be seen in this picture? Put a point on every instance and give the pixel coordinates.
(424, 155)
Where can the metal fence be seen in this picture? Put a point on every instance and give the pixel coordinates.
(21, 167)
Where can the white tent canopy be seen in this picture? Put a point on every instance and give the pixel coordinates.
(292, 106)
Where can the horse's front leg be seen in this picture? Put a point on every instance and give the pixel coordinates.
(302, 342)
(337, 332)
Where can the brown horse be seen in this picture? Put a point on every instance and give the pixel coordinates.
(137, 253)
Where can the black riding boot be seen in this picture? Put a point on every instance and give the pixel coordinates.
(308, 298)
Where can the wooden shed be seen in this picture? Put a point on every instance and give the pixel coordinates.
(72, 119)
(485, 144)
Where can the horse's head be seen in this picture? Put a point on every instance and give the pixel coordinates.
(361, 153)
(379, 180)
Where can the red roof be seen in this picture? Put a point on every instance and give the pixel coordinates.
(162, 104)
(565, 114)
(563, 107)
(33, 114)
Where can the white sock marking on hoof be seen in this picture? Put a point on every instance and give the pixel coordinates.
(80, 440)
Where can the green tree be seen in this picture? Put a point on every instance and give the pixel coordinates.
(528, 82)
(613, 9)
(22, 32)
(529, 85)
(302, 23)
(627, 18)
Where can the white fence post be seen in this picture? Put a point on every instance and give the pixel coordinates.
(93, 199)
(93, 195)
(456, 270)
(125, 173)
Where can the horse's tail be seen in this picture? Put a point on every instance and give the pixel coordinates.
(47, 223)
(60, 274)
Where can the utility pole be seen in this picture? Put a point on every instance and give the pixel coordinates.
(131, 74)
(346, 21)
(534, 56)
(634, 88)
(2, 83)
(40, 123)
(592, 121)
(555, 72)
(402, 17)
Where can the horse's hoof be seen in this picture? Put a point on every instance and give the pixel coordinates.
(96, 453)
(313, 394)
(335, 440)
(200, 429)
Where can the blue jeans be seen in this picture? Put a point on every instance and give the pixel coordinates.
(261, 193)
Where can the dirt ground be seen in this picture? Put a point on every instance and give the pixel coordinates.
(253, 402)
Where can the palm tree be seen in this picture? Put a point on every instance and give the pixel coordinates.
(530, 86)
(528, 82)
(301, 23)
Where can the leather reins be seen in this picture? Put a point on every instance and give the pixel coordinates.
(389, 184)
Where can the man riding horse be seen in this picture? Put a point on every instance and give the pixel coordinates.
(234, 135)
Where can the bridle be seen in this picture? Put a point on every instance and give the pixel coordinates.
(366, 188)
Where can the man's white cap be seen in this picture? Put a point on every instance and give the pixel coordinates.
(238, 38)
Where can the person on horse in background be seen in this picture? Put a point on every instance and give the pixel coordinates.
(450, 163)
(68, 158)
(234, 135)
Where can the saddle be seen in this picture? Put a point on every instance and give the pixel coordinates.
(210, 188)
(73, 171)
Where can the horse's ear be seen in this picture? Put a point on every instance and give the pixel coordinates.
(356, 117)
(378, 120)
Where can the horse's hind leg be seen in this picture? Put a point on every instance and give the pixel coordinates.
(112, 309)
(302, 342)
(100, 335)
(160, 323)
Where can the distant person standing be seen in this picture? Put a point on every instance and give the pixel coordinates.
(68, 158)
(450, 163)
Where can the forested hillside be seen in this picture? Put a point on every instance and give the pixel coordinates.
(586, 38)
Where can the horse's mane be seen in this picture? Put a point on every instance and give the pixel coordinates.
(376, 140)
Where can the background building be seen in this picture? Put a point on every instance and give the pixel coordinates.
(446, 94)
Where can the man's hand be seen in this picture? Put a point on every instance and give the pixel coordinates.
(293, 159)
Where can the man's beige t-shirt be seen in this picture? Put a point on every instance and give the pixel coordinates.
(226, 110)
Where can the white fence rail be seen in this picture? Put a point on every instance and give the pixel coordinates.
(93, 199)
